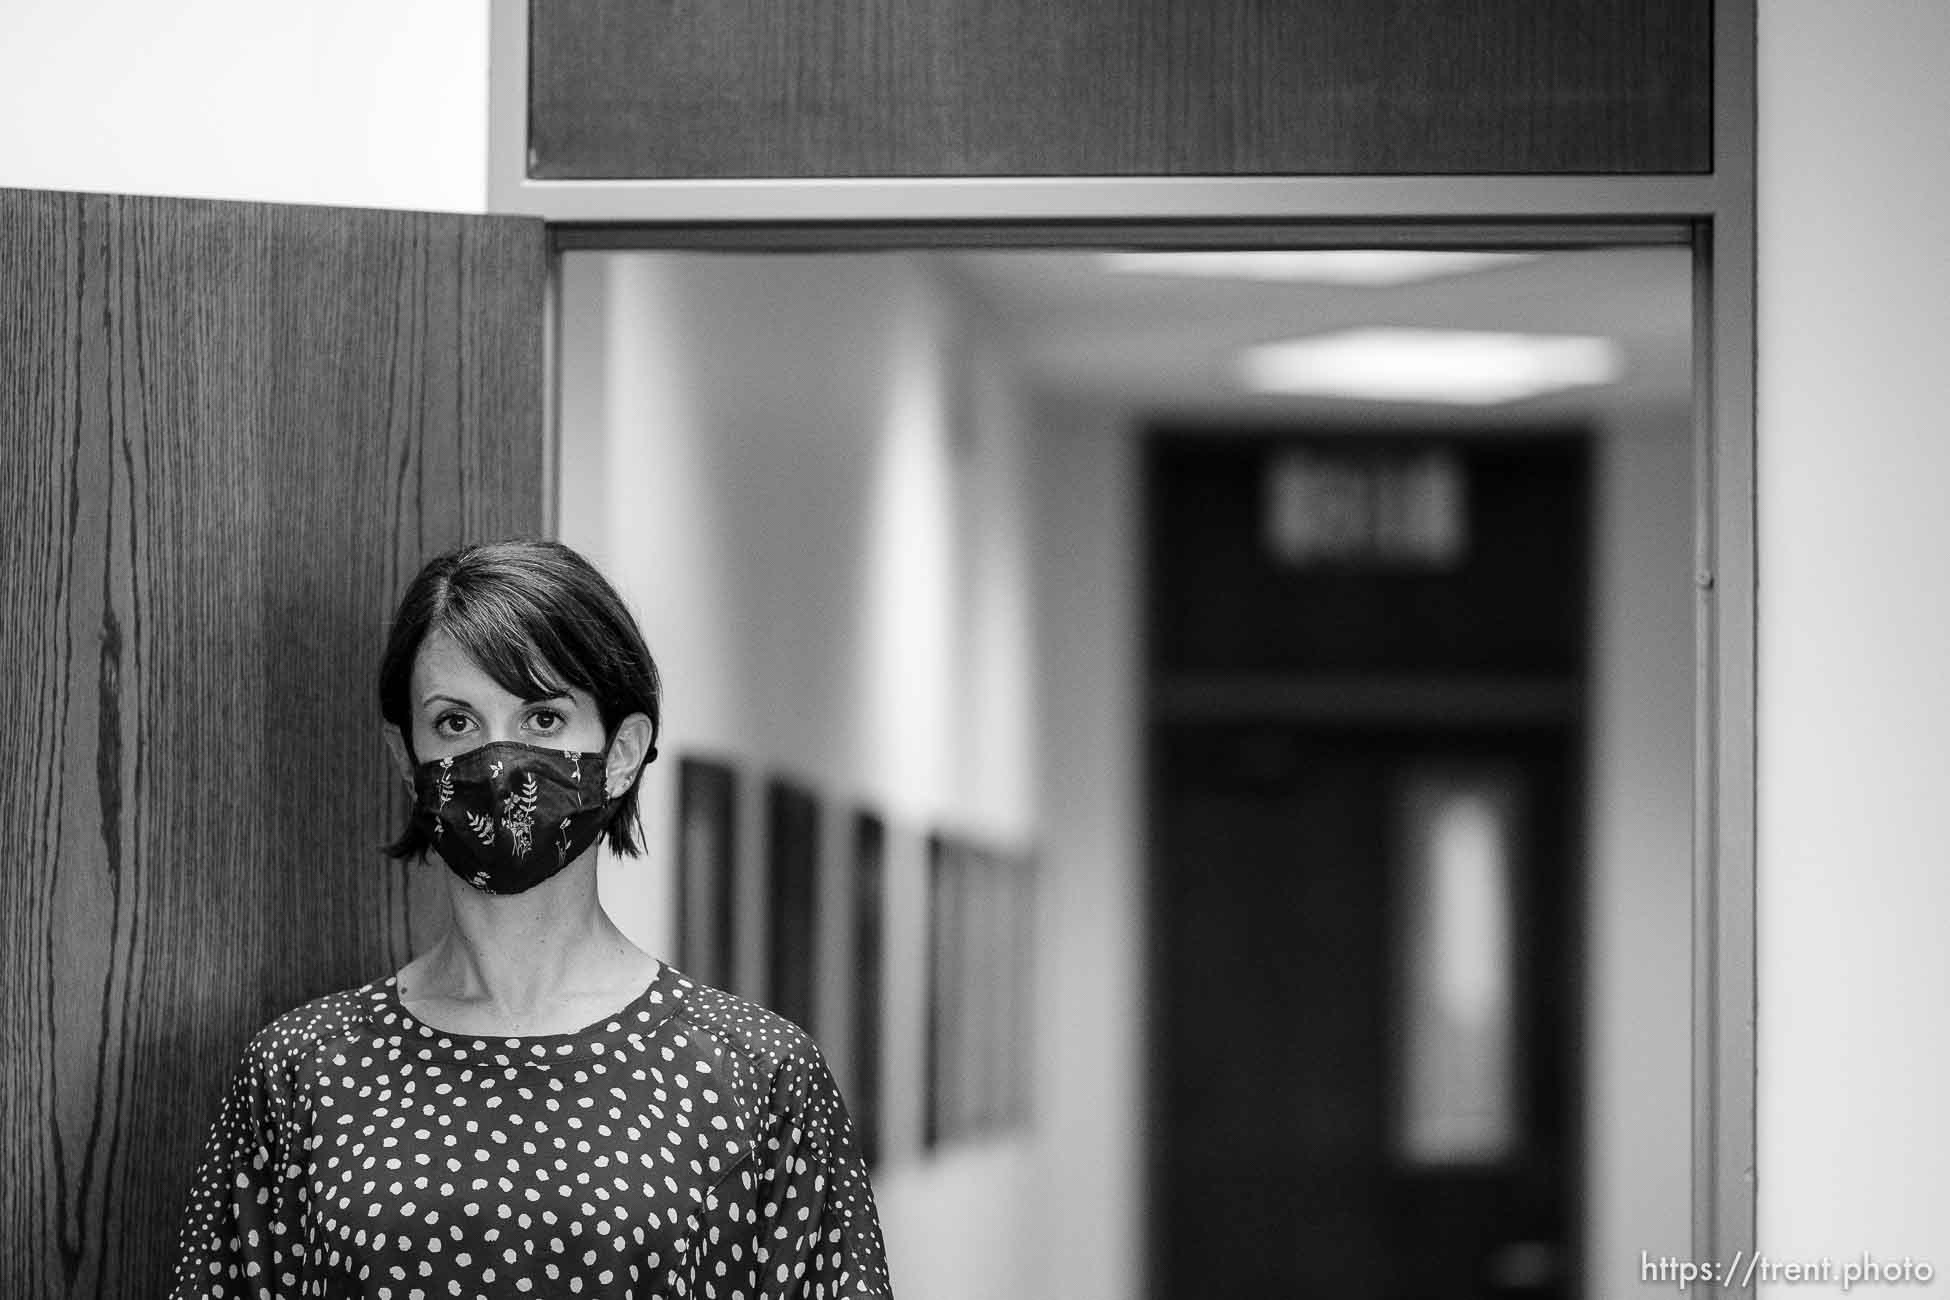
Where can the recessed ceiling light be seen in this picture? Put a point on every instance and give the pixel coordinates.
(1408, 365)
(1357, 266)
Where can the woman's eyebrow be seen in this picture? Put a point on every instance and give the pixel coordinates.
(560, 697)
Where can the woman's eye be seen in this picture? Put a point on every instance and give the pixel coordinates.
(451, 724)
(546, 720)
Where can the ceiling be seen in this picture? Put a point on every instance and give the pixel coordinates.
(1166, 345)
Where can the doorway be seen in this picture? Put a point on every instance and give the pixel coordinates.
(1099, 1110)
(1367, 742)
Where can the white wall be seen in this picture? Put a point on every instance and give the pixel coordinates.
(1854, 459)
(363, 103)
(1091, 1245)
(805, 474)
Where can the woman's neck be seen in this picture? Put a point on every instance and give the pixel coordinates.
(542, 961)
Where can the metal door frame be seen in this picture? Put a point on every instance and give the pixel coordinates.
(1711, 212)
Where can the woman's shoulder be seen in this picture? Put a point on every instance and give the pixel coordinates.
(764, 1037)
(296, 1034)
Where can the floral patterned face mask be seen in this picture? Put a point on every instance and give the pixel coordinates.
(507, 816)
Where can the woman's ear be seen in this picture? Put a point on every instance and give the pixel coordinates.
(396, 746)
(629, 749)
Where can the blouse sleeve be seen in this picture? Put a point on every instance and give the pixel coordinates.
(239, 1234)
(816, 1220)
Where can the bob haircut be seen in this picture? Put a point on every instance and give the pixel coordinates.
(538, 619)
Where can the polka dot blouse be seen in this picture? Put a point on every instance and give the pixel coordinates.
(693, 1144)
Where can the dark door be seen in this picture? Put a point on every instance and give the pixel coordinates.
(1321, 727)
(228, 434)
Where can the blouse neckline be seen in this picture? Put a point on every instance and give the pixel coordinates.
(659, 999)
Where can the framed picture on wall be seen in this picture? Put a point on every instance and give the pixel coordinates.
(1008, 888)
(985, 972)
(792, 850)
(980, 934)
(941, 1112)
(981, 937)
(1001, 942)
(707, 857)
(1019, 998)
(868, 982)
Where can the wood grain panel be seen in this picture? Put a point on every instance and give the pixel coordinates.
(832, 88)
(232, 431)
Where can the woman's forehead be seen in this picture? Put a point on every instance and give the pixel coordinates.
(444, 667)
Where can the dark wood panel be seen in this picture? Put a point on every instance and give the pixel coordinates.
(827, 88)
(231, 432)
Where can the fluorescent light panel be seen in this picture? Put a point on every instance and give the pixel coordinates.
(1459, 367)
(1374, 267)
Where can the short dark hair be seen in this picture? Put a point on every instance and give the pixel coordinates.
(538, 618)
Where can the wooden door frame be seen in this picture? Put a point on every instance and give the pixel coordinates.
(1713, 213)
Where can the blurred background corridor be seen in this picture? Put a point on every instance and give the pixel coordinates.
(1336, 707)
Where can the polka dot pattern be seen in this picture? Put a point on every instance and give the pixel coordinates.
(691, 1145)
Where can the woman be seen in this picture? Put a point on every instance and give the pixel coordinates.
(534, 1106)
